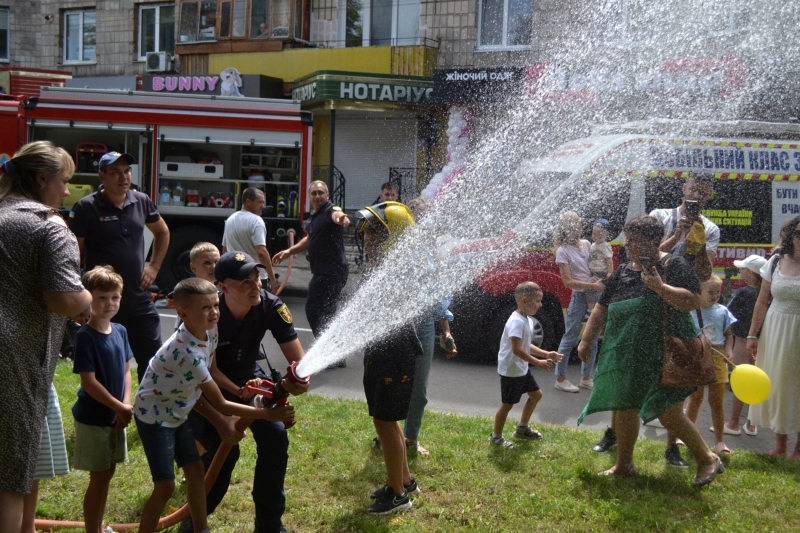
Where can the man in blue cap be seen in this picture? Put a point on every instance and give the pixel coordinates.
(109, 225)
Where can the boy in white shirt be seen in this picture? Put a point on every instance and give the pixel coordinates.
(175, 379)
(601, 262)
(513, 359)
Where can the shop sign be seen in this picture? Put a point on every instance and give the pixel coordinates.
(389, 91)
(228, 83)
(464, 85)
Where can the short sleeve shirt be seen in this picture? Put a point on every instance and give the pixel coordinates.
(243, 232)
(667, 217)
(114, 236)
(106, 356)
(171, 385)
(577, 257)
(240, 341)
(741, 306)
(598, 255)
(508, 364)
(716, 321)
(626, 283)
(325, 242)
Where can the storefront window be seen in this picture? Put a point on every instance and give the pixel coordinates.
(506, 23)
(156, 29)
(79, 31)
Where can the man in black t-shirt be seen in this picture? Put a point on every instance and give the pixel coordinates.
(325, 245)
(246, 313)
(109, 225)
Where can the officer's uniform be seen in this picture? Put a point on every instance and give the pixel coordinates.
(328, 267)
(114, 236)
(237, 355)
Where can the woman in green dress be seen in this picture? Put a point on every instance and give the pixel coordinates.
(628, 376)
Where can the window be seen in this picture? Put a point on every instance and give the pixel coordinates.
(270, 19)
(198, 21)
(4, 39)
(79, 36)
(156, 29)
(390, 22)
(506, 23)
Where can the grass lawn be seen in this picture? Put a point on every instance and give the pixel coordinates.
(467, 485)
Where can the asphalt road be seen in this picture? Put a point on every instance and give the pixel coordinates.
(470, 389)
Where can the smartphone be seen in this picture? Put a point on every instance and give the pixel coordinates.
(647, 264)
(693, 209)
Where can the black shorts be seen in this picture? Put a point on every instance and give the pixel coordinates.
(389, 375)
(512, 389)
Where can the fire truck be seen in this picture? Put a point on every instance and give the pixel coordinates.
(195, 155)
(618, 173)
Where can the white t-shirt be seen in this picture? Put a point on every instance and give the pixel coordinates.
(508, 364)
(667, 217)
(171, 385)
(577, 257)
(597, 257)
(243, 232)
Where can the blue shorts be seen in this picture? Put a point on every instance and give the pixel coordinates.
(163, 445)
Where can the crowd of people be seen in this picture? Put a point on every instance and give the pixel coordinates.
(193, 388)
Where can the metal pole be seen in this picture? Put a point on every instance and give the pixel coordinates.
(333, 139)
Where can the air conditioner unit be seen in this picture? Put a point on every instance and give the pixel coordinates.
(158, 62)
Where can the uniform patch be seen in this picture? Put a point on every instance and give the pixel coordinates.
(285, 314)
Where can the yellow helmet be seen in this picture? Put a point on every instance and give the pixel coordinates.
(388, 219)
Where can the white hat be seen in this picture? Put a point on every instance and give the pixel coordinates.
(752, 262)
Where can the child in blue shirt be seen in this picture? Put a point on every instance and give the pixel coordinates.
(103, 410)
(717, 322)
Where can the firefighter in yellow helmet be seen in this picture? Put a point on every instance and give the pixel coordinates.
(380, 226)
(389, 364)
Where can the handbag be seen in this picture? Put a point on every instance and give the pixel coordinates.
(687, 362)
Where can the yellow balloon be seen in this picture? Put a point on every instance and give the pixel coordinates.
(750, 384)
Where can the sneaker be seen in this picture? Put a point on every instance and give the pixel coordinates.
(587, 384)
(609, 439)
(526, 433)
(673, 457)
(566, 386)
(500, 441)
(390, 503)
(411, 488)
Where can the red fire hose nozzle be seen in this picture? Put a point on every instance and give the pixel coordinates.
(274, 395)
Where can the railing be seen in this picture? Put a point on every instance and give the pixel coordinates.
(405, 180)
(336, 189)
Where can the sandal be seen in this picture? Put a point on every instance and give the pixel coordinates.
(414, 445)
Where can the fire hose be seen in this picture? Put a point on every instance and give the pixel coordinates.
(289, 235)
(273, 395)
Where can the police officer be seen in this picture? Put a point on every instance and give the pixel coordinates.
(325, 246)
(247, 312)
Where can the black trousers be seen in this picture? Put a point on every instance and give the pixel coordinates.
(324, 291)
(144, 332)
(272, 449)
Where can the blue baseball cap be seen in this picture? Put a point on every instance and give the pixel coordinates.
(111, 157)
(605, 223)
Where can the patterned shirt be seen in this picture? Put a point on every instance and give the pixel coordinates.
(171, 385)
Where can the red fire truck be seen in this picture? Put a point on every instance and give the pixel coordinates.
(195, 154)
(618, 173)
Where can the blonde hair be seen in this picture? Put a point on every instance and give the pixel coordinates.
(102, 278)
(34, 159)
(526, 288)
(202, 248)
(567, 223)
(714, 280)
